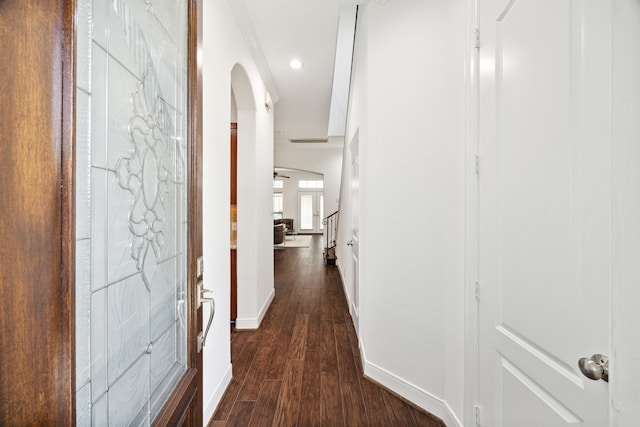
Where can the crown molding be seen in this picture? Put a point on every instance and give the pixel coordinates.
(241, 13)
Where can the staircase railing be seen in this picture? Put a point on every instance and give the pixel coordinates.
(330, 232)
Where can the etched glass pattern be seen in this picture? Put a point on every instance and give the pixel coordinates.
(131, 173)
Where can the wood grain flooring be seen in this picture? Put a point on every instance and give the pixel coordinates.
(302, 367)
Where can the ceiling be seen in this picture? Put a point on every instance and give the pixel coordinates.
(280, 30)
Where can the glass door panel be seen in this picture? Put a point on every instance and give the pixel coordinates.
(306, 211)
(310, 211)
(321, 211)
(131, 172)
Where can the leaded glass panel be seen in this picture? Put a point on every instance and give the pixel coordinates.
(131, 208)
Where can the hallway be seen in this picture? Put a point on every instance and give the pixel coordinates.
(302, 367)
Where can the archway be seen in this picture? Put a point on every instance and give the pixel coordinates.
(299, 196)
(251, 225)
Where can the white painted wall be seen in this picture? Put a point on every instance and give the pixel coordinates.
(408, 104)
(326, 160)
(223, 48)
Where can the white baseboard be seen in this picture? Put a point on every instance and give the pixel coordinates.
(254, 323)
(339, 267)
(344, 289)
(412, 393)
(353, 310)
(212, 404)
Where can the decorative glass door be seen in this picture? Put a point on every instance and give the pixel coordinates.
(131, 174)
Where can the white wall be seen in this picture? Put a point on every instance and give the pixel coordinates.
(407, 105)
(223, 48)
(325, 160)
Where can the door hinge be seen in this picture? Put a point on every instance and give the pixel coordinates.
(477, 290)
(476, 38)
(478, 414)
(478, 165)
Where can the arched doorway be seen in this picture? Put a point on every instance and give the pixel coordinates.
(252, 219)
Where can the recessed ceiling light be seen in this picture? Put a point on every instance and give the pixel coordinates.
(296, 64)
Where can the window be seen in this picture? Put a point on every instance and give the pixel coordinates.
(278, 183)
(311, 183)
(278, 203)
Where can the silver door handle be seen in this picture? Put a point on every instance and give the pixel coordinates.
(202, 337)
(595, 368)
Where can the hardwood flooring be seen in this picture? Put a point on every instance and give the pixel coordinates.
(303, 366)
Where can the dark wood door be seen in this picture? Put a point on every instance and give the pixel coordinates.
(184, 407)
(37, 226)
(234, 218)
(36, 211)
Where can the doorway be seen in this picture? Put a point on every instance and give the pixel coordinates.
(298, 195)
(311, 211)
(234, 215)
(354, 187)
(254, 260)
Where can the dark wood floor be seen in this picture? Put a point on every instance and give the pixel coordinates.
(302, 367)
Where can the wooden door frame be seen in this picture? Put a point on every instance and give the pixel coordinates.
(184, 406)
(37, 268)
(234, 218)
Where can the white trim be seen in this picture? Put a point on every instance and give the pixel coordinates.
(240, 12)
(350, 302)
(353, 310)
(344, 287)
(341, 275)
(412, 393)
(217, 395)
(471, 309)
(254, 322)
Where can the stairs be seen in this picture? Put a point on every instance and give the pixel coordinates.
(330, 256)
(330, 231)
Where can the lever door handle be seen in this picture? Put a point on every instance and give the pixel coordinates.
(202, 337)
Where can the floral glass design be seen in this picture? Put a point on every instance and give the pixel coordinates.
(131, 208)
(147, 173)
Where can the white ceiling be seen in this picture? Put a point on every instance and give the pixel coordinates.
(303, 29)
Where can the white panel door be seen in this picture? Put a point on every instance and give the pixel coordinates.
(355, 219)
(544, 204)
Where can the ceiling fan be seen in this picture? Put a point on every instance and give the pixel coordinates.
(279, 175)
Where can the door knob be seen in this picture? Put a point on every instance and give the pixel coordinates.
(595, 368)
